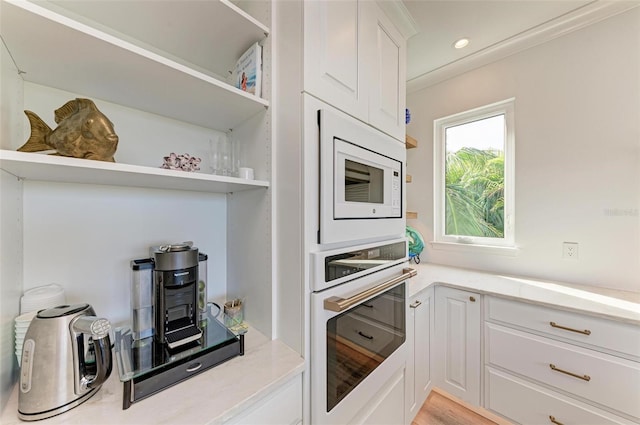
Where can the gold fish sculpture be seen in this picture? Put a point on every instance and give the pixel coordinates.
(82, 132)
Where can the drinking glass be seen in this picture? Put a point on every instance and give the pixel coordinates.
(214, 155)
(222, 156)
(226, 157)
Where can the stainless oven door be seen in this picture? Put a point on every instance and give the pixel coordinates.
(358, 335)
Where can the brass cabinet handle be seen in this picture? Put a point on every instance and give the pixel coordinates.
(575, 375)
(553, 420)
(338, 304)
(472, 299)
(585, 332)
(416, 304)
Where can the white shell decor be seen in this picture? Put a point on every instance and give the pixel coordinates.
(184, 162)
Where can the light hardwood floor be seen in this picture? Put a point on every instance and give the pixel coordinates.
(439, 410)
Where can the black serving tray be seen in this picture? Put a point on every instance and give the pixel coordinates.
(146, 366)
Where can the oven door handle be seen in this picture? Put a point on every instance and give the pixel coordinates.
(341, 304)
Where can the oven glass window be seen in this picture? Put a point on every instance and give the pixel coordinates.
(363, 183)
(360, 339)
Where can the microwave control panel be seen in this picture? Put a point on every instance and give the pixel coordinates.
(395, 193)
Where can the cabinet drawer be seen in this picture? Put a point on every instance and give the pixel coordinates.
(527, 403)
(610, 381)
(614, 336)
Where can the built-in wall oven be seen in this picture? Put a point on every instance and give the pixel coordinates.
(361, 181)
(359, 319)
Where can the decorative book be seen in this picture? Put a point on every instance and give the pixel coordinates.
(248, 71)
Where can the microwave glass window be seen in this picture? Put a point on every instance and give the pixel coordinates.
(363, 183)
(360, 339)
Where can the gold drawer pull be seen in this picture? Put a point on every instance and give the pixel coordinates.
(585, 332)
(472, 299)
(416, 304)
(553, 420)
(583, 377)
(338, 304)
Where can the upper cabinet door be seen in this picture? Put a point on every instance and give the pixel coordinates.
(386, 73)
(333, 55)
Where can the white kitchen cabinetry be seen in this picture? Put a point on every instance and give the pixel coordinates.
(355, 60)
(578, 368)
(282, 407)
(164, 61)
(387, 71)
(333, 55)
(145, 74)
(167, 71)
(419, 331)
(458, 330)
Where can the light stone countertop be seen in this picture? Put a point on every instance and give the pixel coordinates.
(607, 303)
(226, 390)
(212, 397)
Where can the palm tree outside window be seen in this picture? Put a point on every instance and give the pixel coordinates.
(474, 155)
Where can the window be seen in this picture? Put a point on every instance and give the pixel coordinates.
(474, 176)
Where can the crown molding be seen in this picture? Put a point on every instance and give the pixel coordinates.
(580, 18)
(400, 16)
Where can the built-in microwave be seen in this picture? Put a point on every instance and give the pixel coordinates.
(361, 181)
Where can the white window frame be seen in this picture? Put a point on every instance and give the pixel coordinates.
(443, 241)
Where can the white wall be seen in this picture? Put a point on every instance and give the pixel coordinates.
(577, 116)
(84, 236)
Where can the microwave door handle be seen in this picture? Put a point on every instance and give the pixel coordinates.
(338, 304)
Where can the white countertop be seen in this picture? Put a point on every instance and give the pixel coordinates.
(608, 303)
(211, 397)
(226, 390)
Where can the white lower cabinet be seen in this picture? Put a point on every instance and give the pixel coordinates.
(534, 374)
(529, 363)
(282, 407)
(527, 403)
(617, 338)
(458, 329)
(419, 331)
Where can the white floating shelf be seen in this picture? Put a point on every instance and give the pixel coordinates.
(220, 32)
(34, 166)
(54, 50)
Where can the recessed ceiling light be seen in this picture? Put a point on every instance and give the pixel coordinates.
(463, 42)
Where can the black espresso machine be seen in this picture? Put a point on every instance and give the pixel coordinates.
(168, 294)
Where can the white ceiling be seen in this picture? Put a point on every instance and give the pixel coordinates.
(495, 28)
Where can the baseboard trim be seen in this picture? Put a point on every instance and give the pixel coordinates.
(475, 409)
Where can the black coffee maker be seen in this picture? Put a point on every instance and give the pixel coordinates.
(175, 291)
